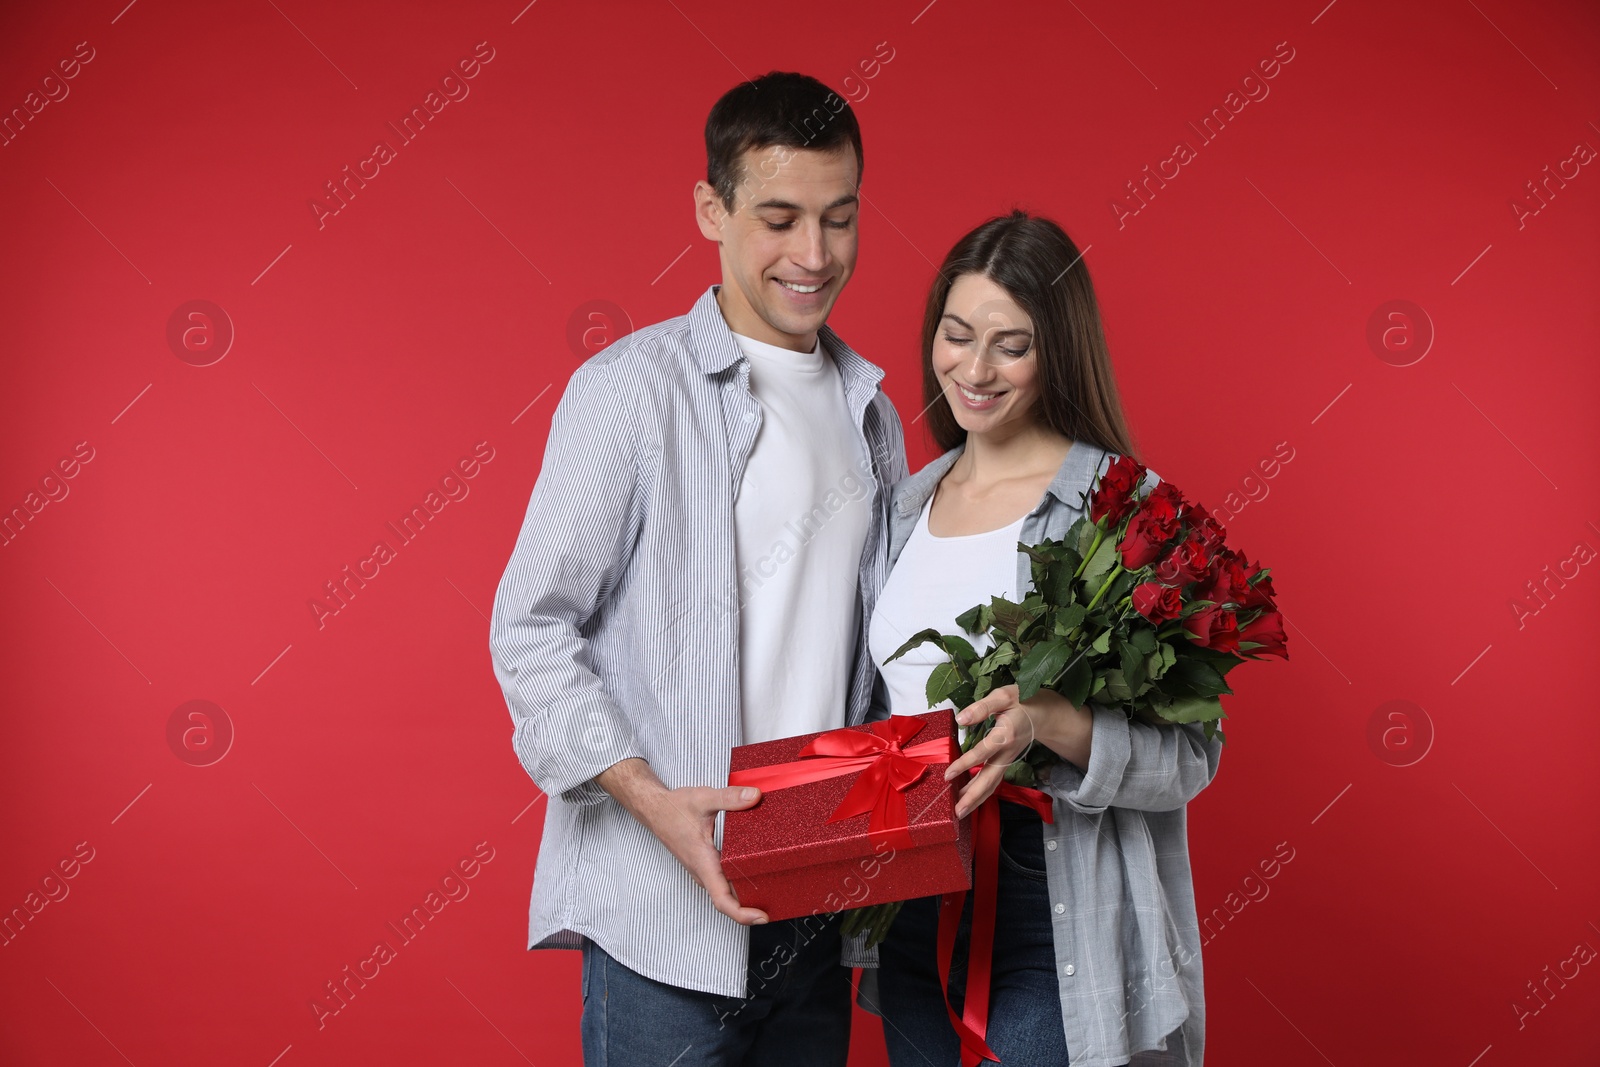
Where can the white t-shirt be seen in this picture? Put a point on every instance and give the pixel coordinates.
(934, 580)
(800, 522)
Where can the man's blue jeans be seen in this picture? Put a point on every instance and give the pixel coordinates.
(797, 1012)
(1025, 1028)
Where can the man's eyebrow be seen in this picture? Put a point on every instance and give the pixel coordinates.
(997, 333)
(786, 205)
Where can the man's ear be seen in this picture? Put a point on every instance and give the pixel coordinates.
(708, 211)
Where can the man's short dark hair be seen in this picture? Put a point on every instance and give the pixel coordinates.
(779, 109)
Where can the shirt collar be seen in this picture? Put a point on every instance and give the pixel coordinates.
(715, 349)
(1070, 485)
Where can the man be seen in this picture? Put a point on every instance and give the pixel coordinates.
(698, 562)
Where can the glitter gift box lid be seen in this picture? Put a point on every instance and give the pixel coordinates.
(784, 855)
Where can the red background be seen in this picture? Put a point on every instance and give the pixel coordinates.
(371, 754)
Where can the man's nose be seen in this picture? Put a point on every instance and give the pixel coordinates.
(810, 251)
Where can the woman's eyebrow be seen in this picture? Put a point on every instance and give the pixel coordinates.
(997, 333)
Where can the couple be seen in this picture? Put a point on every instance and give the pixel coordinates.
(723, 547)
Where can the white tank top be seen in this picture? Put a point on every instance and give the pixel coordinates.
(934, 580)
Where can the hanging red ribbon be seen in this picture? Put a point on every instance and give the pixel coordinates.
(972, 1025)
(888, 768)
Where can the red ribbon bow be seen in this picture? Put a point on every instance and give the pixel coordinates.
(888, 768)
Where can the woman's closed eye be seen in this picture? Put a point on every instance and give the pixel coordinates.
(1010, 353)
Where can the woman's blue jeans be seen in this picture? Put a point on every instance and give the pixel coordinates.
(1025, 1028)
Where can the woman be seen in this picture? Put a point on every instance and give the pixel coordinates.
(1097, 950)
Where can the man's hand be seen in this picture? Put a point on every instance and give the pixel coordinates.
(684, 820)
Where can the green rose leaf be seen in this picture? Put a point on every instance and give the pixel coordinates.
(1132, 667)
(1154, 666)
(998, 657)
(1082, 535)
(1043, 552)
(1076, 680)
(921, 637)
(1012, 618)
(1100, 564)
(1040, 666)
(943, 681)
(1021, 773)
(1069, 618)
(1192, 709)
(1221, 662)
(1058, 581)
(1122, 586)
(1198, 676)
(958, 649)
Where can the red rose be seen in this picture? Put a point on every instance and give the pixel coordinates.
(1157, 602)
(1259, 594)
(1215, 587)
(1187, 562)
(1207, 530)
(1170, 493)
(1238, 578)
(1266, 630)
(1151, 527)
(1213, 627)
(1227, 581)
(1114, 497)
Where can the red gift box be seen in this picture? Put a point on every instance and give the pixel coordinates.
(847, 818)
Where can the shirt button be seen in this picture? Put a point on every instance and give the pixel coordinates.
(749, 416)
(1060, 908)
(1069, 970)
(1051, 845)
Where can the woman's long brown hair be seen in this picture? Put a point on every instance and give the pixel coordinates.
(1037, 264)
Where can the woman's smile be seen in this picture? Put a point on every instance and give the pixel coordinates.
(978, 400)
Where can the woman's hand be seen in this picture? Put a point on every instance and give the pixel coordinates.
(1046, 717)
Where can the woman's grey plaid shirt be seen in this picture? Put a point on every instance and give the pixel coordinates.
(1127, 940)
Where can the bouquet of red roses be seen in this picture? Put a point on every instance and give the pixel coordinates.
(1141, 606)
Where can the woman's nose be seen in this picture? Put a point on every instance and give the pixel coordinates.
(979, 369)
